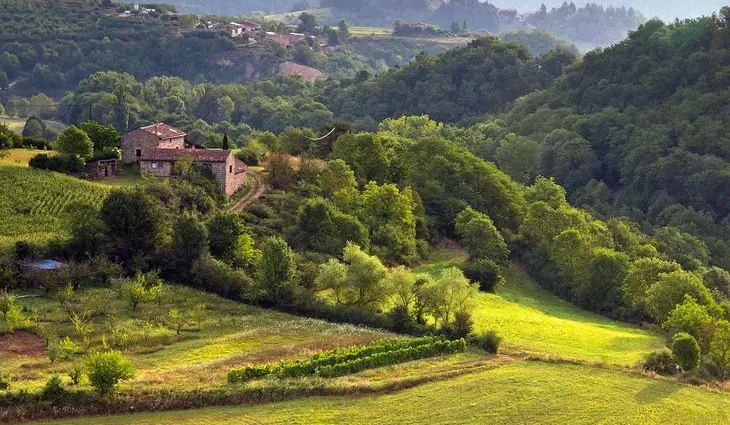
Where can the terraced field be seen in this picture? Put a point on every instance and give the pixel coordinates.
(32, 202)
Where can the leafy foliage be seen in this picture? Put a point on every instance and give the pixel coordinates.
(107, 369)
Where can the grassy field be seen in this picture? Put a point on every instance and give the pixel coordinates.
(129, 177)
(520, 392)
(369, 31)
(32, 202)
(20, 157)
(531, 320)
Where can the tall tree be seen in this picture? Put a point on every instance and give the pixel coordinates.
(74, 141)
(276, 271)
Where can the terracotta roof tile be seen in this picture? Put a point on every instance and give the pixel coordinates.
(240, 166)
(163, 131)
(202, 155)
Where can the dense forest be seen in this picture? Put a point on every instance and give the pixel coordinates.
(462, 83)
(472, 88)
(638, 130)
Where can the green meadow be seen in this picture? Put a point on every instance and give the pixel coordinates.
(535, 322)
(521, 392)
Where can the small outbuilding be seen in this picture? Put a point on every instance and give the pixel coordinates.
(102, 169)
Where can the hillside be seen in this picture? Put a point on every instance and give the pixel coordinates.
(666, 10)
(516, 393)
(230, 335)
(647, 128)
(451, 87)
(536, 322)
(32, 203)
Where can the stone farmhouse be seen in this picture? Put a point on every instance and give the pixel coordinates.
(157, 147)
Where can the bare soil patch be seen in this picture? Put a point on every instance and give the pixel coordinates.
(22, 343)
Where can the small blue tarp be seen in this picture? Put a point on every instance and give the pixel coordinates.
(45, 265)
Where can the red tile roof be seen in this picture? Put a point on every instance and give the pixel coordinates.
(249, 24)
(240, 166)
(201, 155)
(163, 131)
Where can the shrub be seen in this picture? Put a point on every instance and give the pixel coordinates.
(4, 381)
(75, 374)
(401, 320)
(661, 362)
(461, 327)
(61, 163)
(53, 389)
(488, 341)
(710, 370)
(252, 153)
(106, 369)
(686, 351)
(486, 272)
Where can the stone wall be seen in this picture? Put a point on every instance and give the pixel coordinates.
(229, 182)
(140, 139)
(164, 168)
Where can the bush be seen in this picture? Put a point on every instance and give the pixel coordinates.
(401, 320)
(106, 369)
(461, 327)
(253, 153)
(488, 341)
(69, 164)
(4, 381)
(75, 374)
(686, 351)
(36, 143)
(710, 370)
(486, 272)
(53, 389)
(661, 362)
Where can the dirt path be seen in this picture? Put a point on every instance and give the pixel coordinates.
(253, 195)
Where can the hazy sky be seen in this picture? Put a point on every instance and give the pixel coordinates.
(665, 9)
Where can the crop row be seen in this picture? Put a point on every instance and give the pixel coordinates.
(334, 362)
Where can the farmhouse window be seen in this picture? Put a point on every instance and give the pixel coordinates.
(139, 152)
(154, 165)
(230, 169)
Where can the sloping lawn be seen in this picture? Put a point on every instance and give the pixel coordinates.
(522, 392)
(532, 320)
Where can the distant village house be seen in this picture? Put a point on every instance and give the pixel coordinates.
(237, 29)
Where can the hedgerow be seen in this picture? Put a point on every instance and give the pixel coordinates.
(342, 361)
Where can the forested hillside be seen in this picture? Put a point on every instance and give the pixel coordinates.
(666, 10)
(51, 46)
(638, 129)
(462, 83)
(588, 26)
